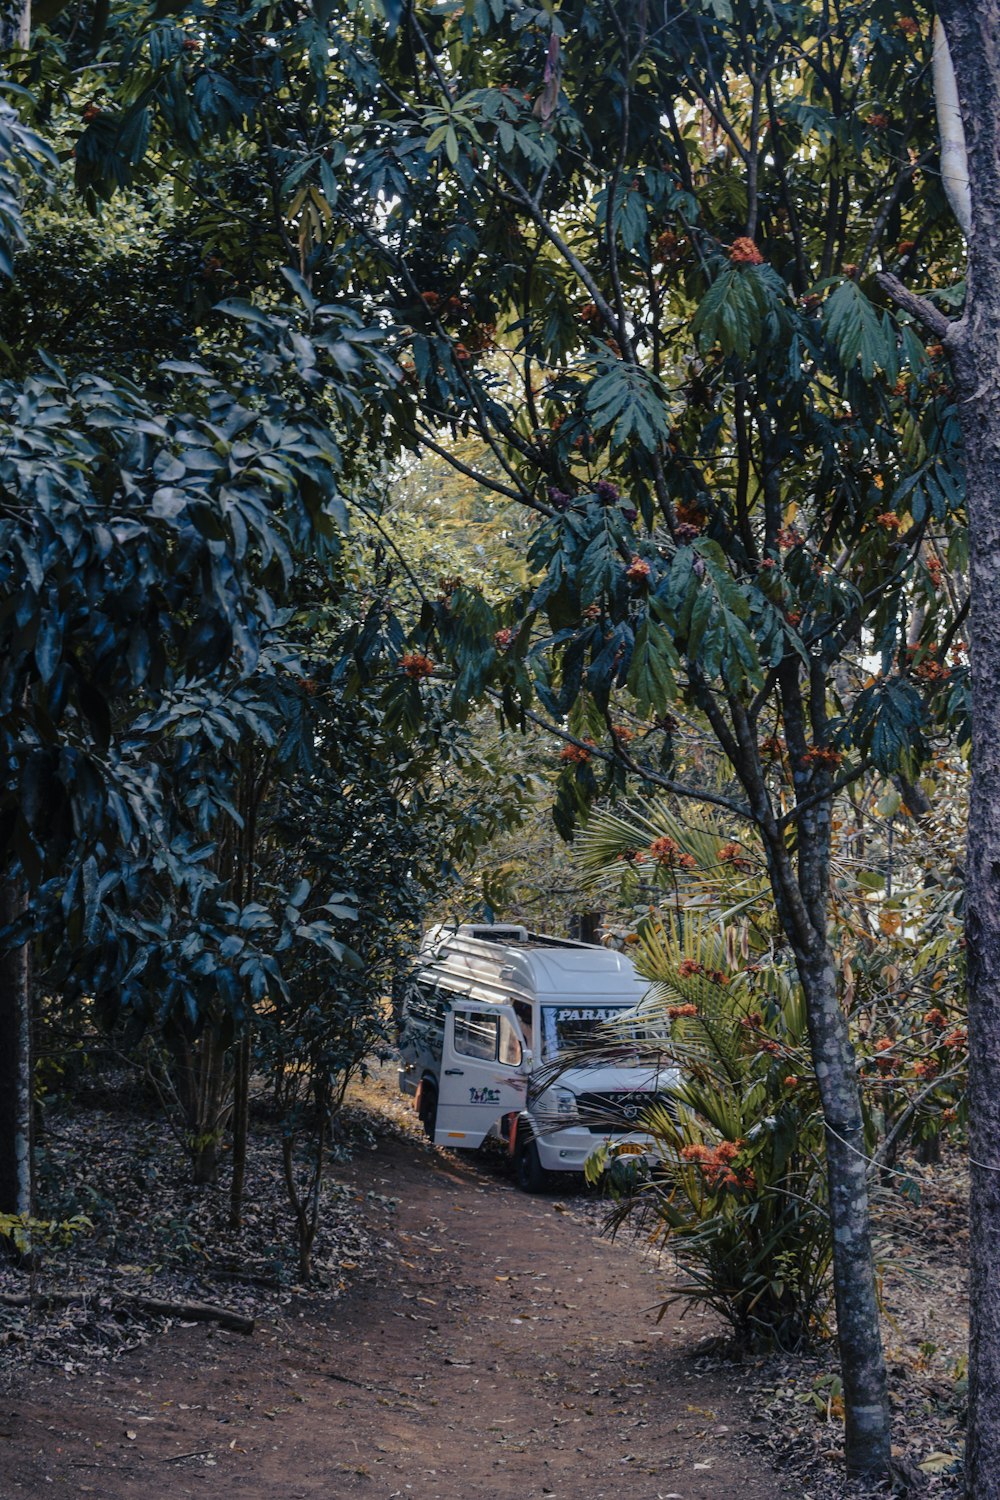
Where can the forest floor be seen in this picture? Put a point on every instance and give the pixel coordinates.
(466, 1340)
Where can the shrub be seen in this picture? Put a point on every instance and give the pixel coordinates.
(738, 1192)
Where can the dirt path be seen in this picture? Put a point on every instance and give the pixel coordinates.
(502, 1352)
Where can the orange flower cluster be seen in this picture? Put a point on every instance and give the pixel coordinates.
(416, 665)
(638, 570)
(908, 26)
(667, 852)
(666, 244)
(688, 967)
(633, 856)
(885, 1065)
(956, 1038)
(503, 638)
(791, 1081)
(789, 537)
(622, 734)
(478, 336)
(590, 315)
(877, 120)
(481, 336)
(927, 1067)
(751, 1021)
(716, 1165)
(675, 1012)
(822, 755)
(743, 252)
(690, 513)
(930, 670)
(733, 854)
(934, 570)
(774, 746)
(888, 520)
(575, 755)
(592, 612)
(936, 1018)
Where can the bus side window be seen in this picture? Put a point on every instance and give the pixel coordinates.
(476, 1035)
(510, 1044)
(522, 1011)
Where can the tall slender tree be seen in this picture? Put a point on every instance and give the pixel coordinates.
(970, 79)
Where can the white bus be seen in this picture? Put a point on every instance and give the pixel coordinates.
(488, 1011)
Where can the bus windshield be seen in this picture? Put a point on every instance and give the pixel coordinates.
(567, 1026)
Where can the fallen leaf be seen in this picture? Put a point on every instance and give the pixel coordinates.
(937, 1463)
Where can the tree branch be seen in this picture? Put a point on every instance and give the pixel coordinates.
(678, 788)
(918, 307)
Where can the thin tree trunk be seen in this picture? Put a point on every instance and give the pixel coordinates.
(15, 1066)
(802, 900)
(201, 1081)
(866, 1407)
(973, 31)
(251, 792)
(241, 1125)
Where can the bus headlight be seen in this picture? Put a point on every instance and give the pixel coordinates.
(565, 1104)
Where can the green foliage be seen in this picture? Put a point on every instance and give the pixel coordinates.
(737, 1185)
(737, 1191)
(860, 333)
(636, 262)
(21, 151)
(734, 310)
(630, 403)
(27, 1234)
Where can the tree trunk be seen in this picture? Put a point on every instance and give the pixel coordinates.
(202, 1084)
(241, 1126)
(15, 24)
(15, 1066)
(866, 1407)
(245, 880)
(801, 887)
(973, 28)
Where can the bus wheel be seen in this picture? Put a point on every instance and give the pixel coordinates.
(528, 1170)
(428, 1108)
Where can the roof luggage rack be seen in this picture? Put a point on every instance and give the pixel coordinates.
(494, 932)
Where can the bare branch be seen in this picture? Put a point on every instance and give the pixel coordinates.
(918, 307)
